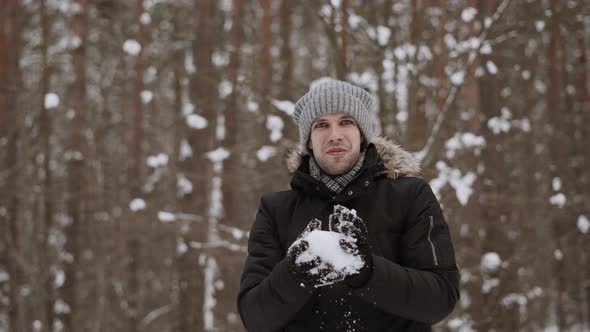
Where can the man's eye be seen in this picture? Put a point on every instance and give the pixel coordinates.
(347, 122)
(319, 125)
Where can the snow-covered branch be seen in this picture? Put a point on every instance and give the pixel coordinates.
(423, 154)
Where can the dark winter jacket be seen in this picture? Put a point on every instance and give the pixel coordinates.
(415, 279)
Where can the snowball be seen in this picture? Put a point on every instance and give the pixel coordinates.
(137, 204)
(51, 100)
(583, 224)
(131, 47)
(196, 121)
(326, 246)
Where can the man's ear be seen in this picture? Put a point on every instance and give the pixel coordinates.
(309, 144)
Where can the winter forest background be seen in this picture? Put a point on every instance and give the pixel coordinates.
(136, 137)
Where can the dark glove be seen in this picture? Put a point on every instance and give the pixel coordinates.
(356, 242)
(312, 272)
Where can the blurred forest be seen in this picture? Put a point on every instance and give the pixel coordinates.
(137, 136)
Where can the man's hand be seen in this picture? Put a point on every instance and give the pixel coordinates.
(310, 271)
(356, 243)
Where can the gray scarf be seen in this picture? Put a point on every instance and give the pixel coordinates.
(335, 183)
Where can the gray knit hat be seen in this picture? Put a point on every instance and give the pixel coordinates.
(332, 96)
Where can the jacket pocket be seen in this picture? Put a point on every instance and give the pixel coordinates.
(439, 237)
(431, 241)
(427, 244)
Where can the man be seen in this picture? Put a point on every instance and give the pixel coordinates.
(365, 190)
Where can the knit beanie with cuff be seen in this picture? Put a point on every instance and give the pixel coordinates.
(333, 96)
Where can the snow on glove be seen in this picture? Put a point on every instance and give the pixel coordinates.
(355, 242)
(308, 269)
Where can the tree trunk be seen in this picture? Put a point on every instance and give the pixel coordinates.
(265, 63)
(554, 111)
(76, 188)
(416, 133)
(46, 178)
(10, 134)
(134, 246)
(342, 50)
(286, 57)
(204, 96)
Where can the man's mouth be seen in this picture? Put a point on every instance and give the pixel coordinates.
(336, 151)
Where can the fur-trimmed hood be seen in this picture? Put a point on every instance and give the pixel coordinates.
(397, 161)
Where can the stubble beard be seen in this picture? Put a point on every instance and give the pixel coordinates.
(339, 165)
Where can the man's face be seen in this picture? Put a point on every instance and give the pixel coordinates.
(335, 140)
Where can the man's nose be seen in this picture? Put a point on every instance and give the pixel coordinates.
(335, 133)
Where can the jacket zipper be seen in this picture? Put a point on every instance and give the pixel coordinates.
(432, 243)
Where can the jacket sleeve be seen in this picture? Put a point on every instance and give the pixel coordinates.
(269, 296)
(424, 286)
